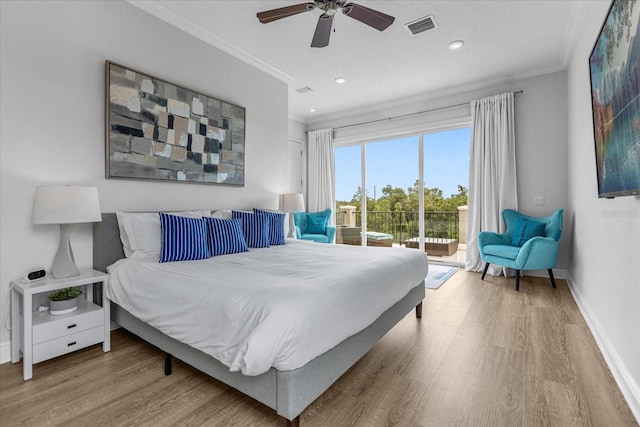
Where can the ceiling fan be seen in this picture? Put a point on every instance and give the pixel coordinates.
(372, 18)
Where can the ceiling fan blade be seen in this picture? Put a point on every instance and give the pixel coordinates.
(372, 18)
(323, 31)
(284, 12)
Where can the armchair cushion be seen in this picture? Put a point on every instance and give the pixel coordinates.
(319, 238)
(316, 224)
(525, 229)
(504, 251)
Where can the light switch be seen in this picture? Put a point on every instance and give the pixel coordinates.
(538, 200)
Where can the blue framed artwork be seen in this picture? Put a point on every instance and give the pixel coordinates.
(614, 67)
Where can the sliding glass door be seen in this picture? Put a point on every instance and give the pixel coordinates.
(411, 183)
(446, 184)
(391, 173)
(348, 161)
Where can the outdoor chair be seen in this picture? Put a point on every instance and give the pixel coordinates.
(528, 244)
(349, 235)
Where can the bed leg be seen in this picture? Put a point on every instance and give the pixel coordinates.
(167, 363)
(292, 423)
(419, 310)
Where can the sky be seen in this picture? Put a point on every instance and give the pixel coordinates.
(395, 162)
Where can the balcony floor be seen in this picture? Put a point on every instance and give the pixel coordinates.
(459, 258)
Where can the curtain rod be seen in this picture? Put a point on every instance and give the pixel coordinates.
(410, 114)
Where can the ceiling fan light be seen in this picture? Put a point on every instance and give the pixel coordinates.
(456, 44)
(340, 80)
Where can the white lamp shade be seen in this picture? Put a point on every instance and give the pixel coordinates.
(66, 204)
(293, 202)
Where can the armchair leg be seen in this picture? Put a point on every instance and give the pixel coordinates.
(518, 280)
(553, 281)
(484, 273)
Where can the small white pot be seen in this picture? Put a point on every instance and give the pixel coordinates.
(57, 308)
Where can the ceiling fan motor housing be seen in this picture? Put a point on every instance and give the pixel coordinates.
(330, 5)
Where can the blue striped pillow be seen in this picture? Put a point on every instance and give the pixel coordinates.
(225, 236)
(183, 239)
(276, 226)
(255, 228)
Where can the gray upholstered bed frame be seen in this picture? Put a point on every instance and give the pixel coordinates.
(288, 392)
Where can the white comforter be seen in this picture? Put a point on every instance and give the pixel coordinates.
(280, 306)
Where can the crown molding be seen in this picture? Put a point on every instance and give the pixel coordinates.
(574, 25)
(344, 116)
(157, 10)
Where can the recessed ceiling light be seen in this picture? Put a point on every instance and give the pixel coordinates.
(456, 44)
(312, 110)
(340, 80)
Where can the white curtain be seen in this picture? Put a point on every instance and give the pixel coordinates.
(492, 172)
(320, 171)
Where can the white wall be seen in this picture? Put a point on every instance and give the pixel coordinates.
(604, 269)
(541, 138)
(52, 123)
(297, 131)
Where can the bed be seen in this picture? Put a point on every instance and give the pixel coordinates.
(287, 382)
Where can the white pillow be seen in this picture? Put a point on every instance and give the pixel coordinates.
(222, 214)
(140, 232)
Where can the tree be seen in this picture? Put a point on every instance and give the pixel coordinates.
(461, 199)
(396, 199)
(395, 212)
(433, 199)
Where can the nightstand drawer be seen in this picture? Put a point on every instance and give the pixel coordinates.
(67, 344)
(87, 316)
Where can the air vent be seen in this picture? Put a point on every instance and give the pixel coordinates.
(305, 89)
(420, 25)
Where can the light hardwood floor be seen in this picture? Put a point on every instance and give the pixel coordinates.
(482, 355)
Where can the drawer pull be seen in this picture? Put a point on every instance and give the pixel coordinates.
(71, 343)
(71, 326)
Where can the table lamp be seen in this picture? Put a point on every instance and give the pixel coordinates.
(65, 205)
(292, 203)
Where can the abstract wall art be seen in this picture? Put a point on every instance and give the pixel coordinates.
(156, 130)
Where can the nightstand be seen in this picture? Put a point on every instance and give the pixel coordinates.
(39, 336)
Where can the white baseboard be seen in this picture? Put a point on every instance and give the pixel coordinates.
(558, 273)
(628, 387)
(5, 352)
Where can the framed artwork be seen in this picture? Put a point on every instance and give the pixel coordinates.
(614, 67)
(156, 130)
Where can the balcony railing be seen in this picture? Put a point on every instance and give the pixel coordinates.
(404, 225)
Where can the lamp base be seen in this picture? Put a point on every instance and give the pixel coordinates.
(63, 264)
(292, 227)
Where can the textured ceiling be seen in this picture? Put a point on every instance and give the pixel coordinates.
(504, 40)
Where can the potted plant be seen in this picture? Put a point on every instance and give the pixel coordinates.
(64, 301)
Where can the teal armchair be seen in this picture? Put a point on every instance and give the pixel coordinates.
(313, 226)
(529, 243)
